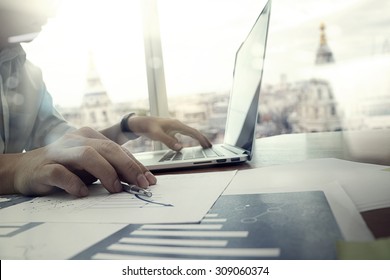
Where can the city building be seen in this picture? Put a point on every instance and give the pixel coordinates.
(324, 53)
(96, 106)
(316, 109)
(288, 107)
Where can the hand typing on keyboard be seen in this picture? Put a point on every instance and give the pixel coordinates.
(190, 153)
(164, 130)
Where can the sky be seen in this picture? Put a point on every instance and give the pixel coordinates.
(355, 29)
(199, 40)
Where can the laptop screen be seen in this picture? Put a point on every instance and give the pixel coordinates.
(244, 96)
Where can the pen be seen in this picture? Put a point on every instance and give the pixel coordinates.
(133, 189)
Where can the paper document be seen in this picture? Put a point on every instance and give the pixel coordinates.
(50, 241)
(280, 179)
(291, 225)
(176, 199)
(368, 185)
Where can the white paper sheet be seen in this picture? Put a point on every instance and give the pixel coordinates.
(176, 199)
(306, 177)
(348, 218)
(368, 185)
(61, 239)
(51, 241)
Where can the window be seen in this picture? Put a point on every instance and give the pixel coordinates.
(352, 69)
(333, 110)
(319, 92)
(199, 41)
(100, 50)
(93, 61)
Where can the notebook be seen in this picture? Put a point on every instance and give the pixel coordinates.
(239, 138)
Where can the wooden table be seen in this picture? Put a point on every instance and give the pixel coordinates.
(361, 146)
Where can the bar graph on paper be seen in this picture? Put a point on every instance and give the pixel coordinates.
(118, 201)
(176, 199)
(257, 226)
(205, 240)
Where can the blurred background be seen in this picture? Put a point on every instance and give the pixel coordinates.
(327, 63)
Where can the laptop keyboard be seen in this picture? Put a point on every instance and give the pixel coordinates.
(190, 154)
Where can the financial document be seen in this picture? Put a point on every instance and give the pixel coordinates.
(112, 226)
(368, 185)
(176, 199)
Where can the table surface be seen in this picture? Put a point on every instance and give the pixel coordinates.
(361, 146)
(369, 147)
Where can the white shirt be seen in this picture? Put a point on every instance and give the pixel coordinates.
(28, 119)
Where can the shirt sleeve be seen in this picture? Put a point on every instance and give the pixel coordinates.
(49, 125)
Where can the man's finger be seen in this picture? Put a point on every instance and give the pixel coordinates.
(59, 176)
(87, 158)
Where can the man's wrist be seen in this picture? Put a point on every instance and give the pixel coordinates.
(124, 125)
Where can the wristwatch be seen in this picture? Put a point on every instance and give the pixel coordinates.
(125, 125)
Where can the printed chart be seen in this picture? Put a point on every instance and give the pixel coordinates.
(297, 225)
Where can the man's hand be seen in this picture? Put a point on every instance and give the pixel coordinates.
(76, 160)
(164, 130)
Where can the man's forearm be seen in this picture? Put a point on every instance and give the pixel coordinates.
(115, 134)
(7, 173)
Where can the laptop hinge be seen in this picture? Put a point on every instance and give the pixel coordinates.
(235, 150)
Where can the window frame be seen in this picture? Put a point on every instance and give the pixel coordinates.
(155, 75)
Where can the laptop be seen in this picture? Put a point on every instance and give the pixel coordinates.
(239, 138)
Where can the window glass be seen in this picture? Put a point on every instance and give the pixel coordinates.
(92, 57)
(339, 50)
(326, 67)
(199, 41)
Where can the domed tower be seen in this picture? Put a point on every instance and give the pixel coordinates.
(324, 53)
(96, 105)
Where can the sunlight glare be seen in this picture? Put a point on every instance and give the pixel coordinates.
(110, 30)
